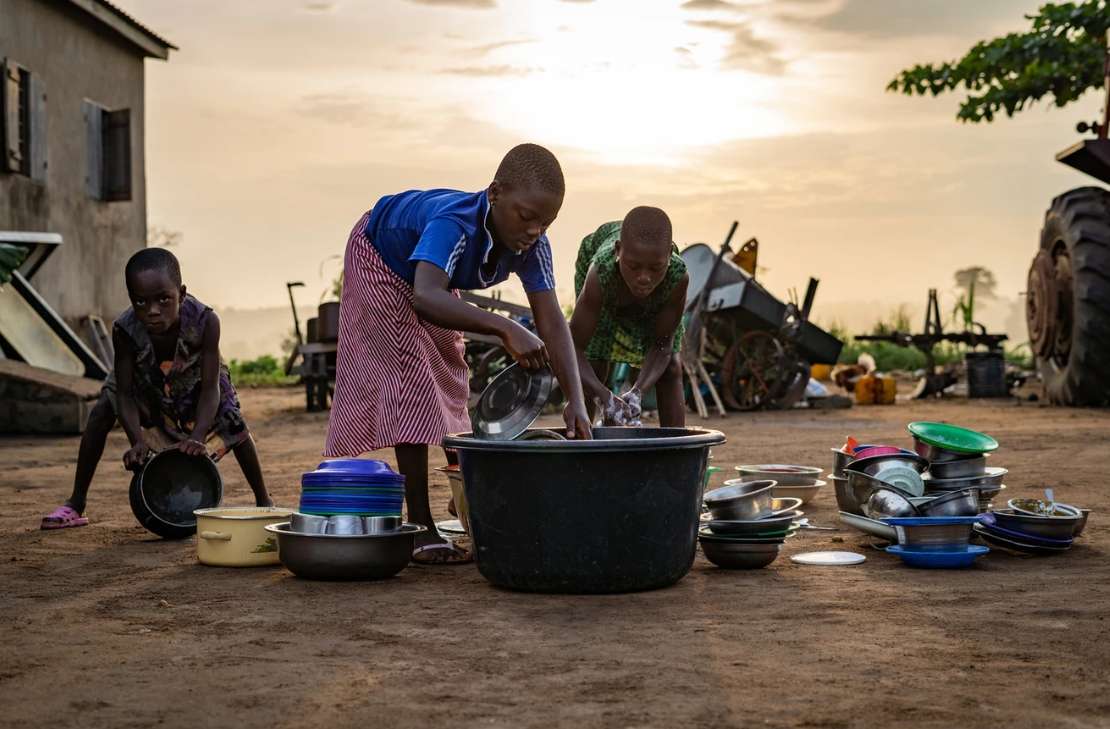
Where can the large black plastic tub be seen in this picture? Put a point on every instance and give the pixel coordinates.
(615, 514)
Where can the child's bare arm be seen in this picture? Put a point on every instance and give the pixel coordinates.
(125, 400)
(583, 324)
(658, 357)
(208, 403)
(552, 327)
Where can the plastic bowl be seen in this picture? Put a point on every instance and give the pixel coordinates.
(931, 559)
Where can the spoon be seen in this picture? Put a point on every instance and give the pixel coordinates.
(1051, 499)
(804, 524)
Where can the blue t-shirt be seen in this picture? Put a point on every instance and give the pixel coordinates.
(448, 228)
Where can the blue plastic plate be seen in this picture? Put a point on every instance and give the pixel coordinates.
(938, 560)
(930, 520)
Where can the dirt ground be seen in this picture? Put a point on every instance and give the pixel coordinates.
(107, 626)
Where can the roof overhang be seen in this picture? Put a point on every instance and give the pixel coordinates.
(128, 28)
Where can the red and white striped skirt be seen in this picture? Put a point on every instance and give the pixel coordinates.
(398, 379)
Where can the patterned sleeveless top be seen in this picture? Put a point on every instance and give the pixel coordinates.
(172, 388)
(624, 333)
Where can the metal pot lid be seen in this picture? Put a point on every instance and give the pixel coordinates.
(511, 402)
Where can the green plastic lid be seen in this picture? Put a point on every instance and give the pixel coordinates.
(953, 438)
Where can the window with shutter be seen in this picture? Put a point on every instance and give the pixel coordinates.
(117, 154)
(23, 118)
(108, 156)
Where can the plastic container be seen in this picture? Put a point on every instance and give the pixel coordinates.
(876, 390)
(615, 514)
(938, 560)
(357, 486)
(169, 488)
(986, 374)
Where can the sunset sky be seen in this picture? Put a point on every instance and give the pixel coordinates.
(279, 122)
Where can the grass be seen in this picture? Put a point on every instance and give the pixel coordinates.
(264, 371)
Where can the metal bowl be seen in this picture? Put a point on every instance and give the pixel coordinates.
(511, 402)
(841, 459)
(751, 527)
(782, 474)
(805, 494)
(741, 500)
(952, 503)
(1038, 507)
(962, 468)
(1049, 527)
(860, 485)
(991, 476)
(1083, 514)
(739, 556)
(935, 454)
(942, 535)
(845, 497)
(887, 502)
(345, 557)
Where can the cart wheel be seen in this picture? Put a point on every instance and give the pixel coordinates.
(755, 372)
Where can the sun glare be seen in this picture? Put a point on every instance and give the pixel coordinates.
(630, 82)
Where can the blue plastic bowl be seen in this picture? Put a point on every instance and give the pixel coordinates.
(929, 520)
(938, 560)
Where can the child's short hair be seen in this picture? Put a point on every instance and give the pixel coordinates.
(153, 259)
(526, 165)
(646, 224)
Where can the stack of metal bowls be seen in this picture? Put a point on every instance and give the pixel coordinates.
(791, 482)
(958, 461)
(936, 542)
(872, 467)
(1031, 526)
(747, 525)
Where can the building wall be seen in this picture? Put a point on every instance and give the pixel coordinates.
(77, 59)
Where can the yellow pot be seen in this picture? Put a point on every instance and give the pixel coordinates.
(235, 536)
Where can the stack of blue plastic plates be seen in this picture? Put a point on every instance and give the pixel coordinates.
(352, 486)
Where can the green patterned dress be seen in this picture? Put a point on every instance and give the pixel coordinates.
(623, 334)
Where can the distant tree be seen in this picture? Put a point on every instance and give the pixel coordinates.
(977, 278)
(1061, 56)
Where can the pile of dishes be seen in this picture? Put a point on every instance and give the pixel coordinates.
(747, 526)
(958, 460)
(352, 487)
(1033, 526)
(935, 542)
(791, 482)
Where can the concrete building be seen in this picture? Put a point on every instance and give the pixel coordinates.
(73, 145)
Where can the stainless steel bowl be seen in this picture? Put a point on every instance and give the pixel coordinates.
(841, 459)
(845, 497)
(345, 557)
(861, 485)
(345, 525)
(739, 556)
(937, 455)
(887, 502)
(741, 500)
(780, 473)
(380, 524)
(1083, 514)
(991, 476)
(938, 537)
(804, 493)
(308, 523)
(1038, 507)
(952, 503)
(962, 468)
(874, 465)
(1049, 527)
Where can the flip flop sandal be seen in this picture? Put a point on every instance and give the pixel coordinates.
(454, 554)
(64, 517)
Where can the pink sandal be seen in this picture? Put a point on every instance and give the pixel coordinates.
(64, 517)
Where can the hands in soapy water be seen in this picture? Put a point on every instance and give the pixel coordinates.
(622, 411)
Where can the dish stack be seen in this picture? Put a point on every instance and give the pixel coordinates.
(747, 525)
(1032, 526)
(958, 460)
(935, 542)
(352, 487)
(791, 482)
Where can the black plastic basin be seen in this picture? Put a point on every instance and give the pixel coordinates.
(169, 488)
(615, 514)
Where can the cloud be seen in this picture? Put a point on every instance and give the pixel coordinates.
(709, 5)
(497, 45)
(469, 4)
(747, 51)
(490, 71)
(320, 6)
(905, 18)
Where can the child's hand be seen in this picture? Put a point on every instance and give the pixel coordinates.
(578, 422)
(192, 447)
(525, 347)
(136, 456)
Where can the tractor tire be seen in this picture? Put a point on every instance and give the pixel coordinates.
(1068, 299)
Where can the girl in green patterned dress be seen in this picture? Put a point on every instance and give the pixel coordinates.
(631, 289)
